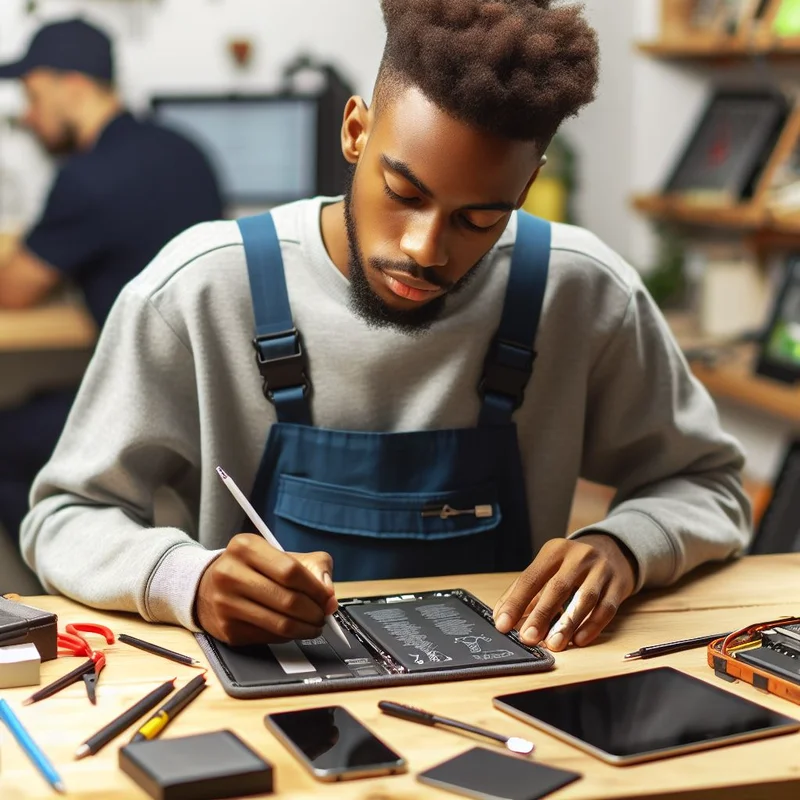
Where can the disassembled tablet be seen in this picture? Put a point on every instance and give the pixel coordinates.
(394, 640)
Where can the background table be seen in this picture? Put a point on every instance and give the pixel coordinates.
(56, 326)
(716, 599)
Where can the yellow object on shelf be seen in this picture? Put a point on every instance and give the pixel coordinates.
(550, 194)
(547, 198)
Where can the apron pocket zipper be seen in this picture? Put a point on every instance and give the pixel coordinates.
(446, 511)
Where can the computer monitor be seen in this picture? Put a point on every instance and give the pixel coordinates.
(264, 148)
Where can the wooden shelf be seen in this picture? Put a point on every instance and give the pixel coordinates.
(691, 212)
(732, 376)
(721, 48)
(767, 226)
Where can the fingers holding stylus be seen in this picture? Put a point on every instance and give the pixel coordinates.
(253, 592)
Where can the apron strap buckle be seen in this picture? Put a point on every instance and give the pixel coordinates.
(281, 361)
(507, 370)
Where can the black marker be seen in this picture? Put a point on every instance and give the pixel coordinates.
(513, 743)
(664, 649)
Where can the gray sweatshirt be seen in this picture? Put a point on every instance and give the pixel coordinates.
(173, 390)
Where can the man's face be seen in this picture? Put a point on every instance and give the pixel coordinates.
(429, 197)
(46, 116)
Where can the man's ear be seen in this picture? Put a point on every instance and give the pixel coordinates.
(533, 177)
(355, 129)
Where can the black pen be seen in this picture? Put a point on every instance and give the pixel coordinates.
(157, 650)
(60, 683)
(117, 725)
(666, 648)
(170, 709)
(513, 743)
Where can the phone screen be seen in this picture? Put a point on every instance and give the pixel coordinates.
(334, 743)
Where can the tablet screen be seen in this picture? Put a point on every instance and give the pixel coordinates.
(644, 715)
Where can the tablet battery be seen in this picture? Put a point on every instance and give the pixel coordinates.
(436, 633)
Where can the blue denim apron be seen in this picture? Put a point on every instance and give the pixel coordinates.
(397, 505)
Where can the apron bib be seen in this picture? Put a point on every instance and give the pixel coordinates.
(397, 505)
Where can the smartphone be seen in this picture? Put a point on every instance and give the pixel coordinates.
(333, 744)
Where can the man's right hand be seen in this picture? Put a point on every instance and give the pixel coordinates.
(254, 593)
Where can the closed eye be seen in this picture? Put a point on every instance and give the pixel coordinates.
(464, 218)
(479, 228)
(399, 198)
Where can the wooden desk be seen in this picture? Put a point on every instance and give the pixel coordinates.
(60, 326)
(754, 589)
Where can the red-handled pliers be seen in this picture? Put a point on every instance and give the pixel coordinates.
(72, 643)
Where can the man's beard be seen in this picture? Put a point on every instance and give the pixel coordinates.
(66, 144)
(369, 306)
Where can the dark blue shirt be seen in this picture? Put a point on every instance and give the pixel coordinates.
(112, 208)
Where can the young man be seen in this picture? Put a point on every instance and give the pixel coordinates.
(124, 190)
(404, 433)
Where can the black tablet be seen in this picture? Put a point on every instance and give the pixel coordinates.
(642, 716)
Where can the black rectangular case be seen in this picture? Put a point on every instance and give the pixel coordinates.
(20, 624)
(206, 766)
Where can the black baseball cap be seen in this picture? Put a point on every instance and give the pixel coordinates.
(71, 45)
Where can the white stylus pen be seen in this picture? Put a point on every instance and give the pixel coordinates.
(262, 528)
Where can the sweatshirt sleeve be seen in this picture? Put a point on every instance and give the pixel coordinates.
(653, 433)
(134, 427)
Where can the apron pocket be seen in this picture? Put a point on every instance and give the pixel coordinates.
(395, 515)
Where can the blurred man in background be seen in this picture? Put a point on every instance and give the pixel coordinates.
(123, 190)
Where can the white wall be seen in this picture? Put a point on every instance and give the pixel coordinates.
(602, 135)
(181, 46)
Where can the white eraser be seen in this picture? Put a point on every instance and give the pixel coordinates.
(19, 666)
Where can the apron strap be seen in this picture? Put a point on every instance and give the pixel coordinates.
(279, 349)
(509, 362)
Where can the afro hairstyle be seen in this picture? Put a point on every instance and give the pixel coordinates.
(512, 68)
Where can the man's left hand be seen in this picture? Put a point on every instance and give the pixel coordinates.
(594, 570)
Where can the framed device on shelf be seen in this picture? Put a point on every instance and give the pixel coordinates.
(729, 148)
(717, 18)
(780, 350)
